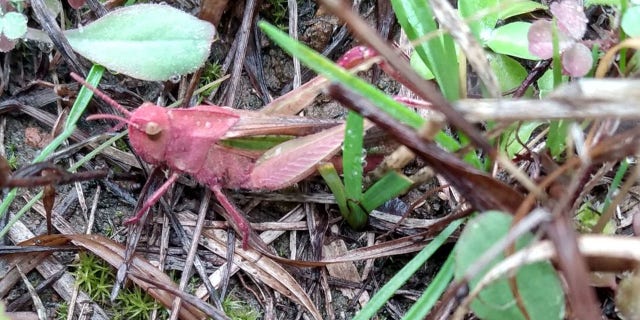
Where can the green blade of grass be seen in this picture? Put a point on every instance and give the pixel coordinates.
(389, 289)
(385, 189)
(352, 157)
(327, 68)
(331, 177)
(438, 53)
(79, 106)
(430, 296)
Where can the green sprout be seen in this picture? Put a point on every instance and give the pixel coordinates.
(239, 310)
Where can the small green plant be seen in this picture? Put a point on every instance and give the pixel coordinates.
(136, 304)
(94, 276)
(62, 310)
(278, 13)
(121, 145)
(12, 159)
(237, 309)
(210, 73)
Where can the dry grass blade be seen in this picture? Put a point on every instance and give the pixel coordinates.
(37, 302)
(217, 277)
(49, 267)
(114, 253)
(580, 99)
(261, 267)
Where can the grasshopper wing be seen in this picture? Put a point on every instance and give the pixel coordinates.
(253, 123)
(292, 161)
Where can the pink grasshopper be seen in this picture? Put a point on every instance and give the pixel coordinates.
(187, 141)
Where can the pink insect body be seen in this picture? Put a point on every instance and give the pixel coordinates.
(185, 140)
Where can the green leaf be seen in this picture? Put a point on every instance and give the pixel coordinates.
(417, 21)
(510, 144)
(13, 25)
(390, 186)
(538, 283)
(147, 41)
(510, 73)
(511, 39)
(517, 8)
(630, 23)
(483, 26)
(545, 83)
(331, 177)
(557, 137)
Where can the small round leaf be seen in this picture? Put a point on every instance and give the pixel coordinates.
(570, 17)
(147, 41)
(510, 73)
(541, 40)
(14, 25)
(577, 60)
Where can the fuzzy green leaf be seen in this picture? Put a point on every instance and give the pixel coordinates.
(147, 41)
(538, 283)
(13, 25)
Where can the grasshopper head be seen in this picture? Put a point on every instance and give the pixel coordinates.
(149, 132)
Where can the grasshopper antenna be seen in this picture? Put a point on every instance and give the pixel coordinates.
(102, 96)
(120, 119)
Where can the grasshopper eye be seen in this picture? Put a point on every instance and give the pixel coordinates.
(152, 128)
